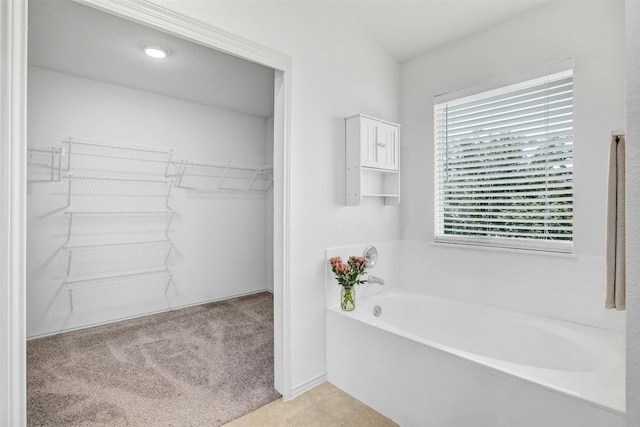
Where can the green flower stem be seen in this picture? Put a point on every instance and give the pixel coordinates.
(348, 298)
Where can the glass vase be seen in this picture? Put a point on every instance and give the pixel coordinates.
(348, 298)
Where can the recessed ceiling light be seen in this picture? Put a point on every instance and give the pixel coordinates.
(155, 51)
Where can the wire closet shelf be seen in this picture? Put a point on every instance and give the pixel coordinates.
(230, 177)
(50, 157)
(96, 226)
(116, 149)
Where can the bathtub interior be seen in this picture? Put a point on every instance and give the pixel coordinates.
(493, 332)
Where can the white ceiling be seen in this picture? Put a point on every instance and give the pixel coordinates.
(408, 28)
(76, 39)
(71, 38)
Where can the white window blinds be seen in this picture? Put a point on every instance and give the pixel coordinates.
(504, 166)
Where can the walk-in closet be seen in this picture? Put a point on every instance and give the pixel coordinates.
(150, 192)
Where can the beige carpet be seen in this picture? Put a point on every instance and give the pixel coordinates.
(199, 366)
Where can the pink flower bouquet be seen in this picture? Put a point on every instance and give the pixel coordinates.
(349, 274)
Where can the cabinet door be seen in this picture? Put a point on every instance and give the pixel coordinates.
(387, 144)
(379, 144)
(369, 142)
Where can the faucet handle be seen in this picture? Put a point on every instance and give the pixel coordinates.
(371, 255)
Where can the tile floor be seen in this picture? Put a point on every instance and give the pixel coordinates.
(325, 405)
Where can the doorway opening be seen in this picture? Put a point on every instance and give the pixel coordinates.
(209, 37)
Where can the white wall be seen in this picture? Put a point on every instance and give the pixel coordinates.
(337, 71)
(633, 212)
(563, 287)
(219, 237)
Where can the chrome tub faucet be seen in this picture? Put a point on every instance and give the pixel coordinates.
(375, 279)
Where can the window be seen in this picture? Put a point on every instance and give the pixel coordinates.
(504, 166)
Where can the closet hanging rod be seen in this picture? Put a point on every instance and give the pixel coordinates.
(617, 132)
(71, 290)
(130, 275)
(164, 242)
(124, 247)
(120, 178)
(117, 145)
(119, 213)
(219, 165)
(45, 149)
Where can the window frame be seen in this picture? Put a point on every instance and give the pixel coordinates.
(486, 90)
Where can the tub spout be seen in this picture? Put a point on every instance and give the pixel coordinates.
(375, 279)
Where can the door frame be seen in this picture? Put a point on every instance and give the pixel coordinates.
(13, 143)
(13, 120)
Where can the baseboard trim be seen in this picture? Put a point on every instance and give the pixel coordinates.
(304, 387)
(149, 313)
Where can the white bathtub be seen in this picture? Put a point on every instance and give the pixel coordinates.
(431, 361)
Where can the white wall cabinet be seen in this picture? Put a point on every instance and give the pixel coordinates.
(372, 160)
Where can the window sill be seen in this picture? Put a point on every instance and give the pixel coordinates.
(471, 246)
